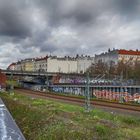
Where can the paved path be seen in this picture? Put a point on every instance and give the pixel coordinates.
(8, 128)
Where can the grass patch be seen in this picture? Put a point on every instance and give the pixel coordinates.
(41, 119)
(102, 130)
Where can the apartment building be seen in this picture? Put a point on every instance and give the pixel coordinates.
(129, 56)
(62, 64)
(12, 66)
(84, 62)
(108, 57)
(67, 64)
(115, 56)
(18, 66)
(23, 65)
(40, 64)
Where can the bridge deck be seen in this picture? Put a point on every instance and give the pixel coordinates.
(8, 128)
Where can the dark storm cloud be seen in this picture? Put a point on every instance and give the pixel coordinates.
(127, 6)
(83, 13)
(80, 17)
(128, 9)
(32, 28)
(13, 20)
(60, 12)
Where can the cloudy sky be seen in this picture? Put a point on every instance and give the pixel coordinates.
(31, 28)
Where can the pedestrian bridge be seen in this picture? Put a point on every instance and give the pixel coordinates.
(31, 73)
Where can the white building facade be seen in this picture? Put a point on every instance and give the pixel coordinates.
(115, 56)
(107, 57)
(12, 66)
(18, 66)
(40, 64)
(83, 63)
(56, 64)
(62, 65)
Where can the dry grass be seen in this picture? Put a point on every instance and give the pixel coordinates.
(41, 119)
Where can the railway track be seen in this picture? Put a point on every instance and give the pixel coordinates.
(128, 107)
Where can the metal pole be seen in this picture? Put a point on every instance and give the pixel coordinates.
(47, 82)
(87, 95)
(11, 84)
(121, 95)
(121, 89)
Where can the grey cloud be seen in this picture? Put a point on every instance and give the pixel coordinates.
(91, 26)
(127, 6)
(50, 48)
(60, 12)
(13, 20)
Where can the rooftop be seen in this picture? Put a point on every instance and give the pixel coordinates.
(129, 52)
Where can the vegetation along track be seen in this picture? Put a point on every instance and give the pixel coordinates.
(130, 107)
